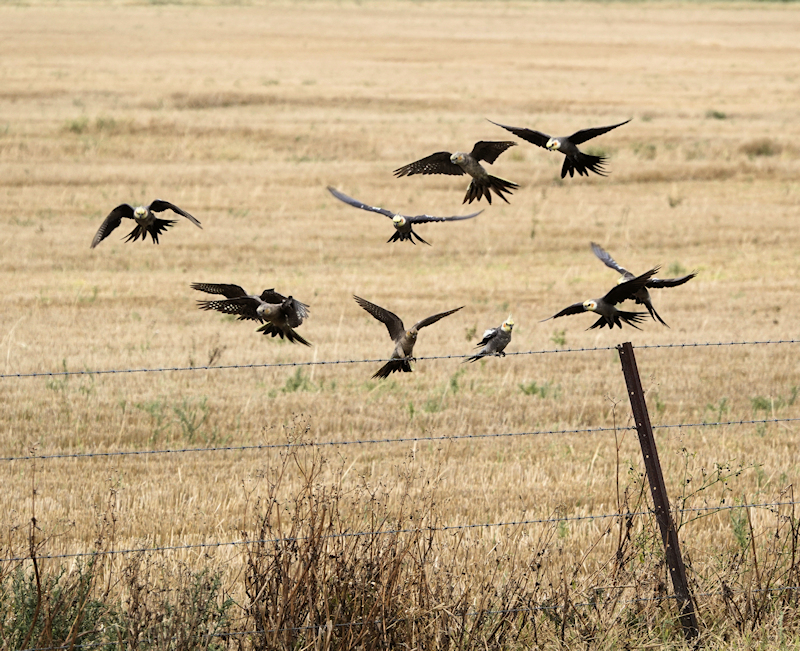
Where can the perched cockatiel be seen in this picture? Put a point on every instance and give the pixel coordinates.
(494, 341)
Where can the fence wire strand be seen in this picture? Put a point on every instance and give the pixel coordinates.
(339, 362)
(409, 439)
(388, 532)
(443, 529)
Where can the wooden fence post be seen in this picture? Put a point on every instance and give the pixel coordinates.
(658, 490)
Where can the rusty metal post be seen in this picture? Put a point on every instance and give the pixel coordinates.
(658, 490)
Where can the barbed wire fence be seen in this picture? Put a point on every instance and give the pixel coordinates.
(343, 362)
(46, 458)
(393, 532)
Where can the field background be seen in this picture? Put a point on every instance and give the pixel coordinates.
(242, 115)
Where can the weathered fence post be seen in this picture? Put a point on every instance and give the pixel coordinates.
(658, 490)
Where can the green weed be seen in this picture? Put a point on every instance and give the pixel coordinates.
(718, 410)
(454, 380)
(78, 125)
(191, 414)
(676, 269)
(298, 382)
(559, 337)
(543, 390)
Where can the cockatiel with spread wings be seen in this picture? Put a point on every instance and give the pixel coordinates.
(605, 305)
(403, 339)
(642, 297)
(403, 224)
(146, 221)
(482, 184)
(279, 314)
(574, 158)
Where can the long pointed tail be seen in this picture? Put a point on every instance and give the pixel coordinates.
(583, 163)
(631, 318)
(275, 331)
(155, 229)
(392, 366)
(654, 314)
(482, 188)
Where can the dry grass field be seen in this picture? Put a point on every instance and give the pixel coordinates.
(242, 115)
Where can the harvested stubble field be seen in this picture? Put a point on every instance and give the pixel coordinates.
(242, 115)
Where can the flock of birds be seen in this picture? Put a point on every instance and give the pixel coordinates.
(280, 315)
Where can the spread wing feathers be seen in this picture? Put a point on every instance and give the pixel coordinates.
(433, 319)
(245, 307)
(300, 308)
(113, 220)
(575, 308)
(608, 261)
(536, 137)
(631, 318)
(228, 291)
(402, 237)
(490, 150)
(583, 163)
(479, 188)
(291, 307)
(653, 283)
(159, 205)
(392, 322)
(294, 311)
(394, 365)
(626, 290)
(659, 283)
(587, 134)
(341, 196)
(155, 229)
(438, 163)
(424, 219)
(273, 297)
(276, 331)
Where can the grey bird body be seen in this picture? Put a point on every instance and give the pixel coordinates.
(146, 221)
(403, 224)
(458, 163)
(642, 297)
(279, 314)
(574, 158)
(494, 341)
(403, 339)
(605, 305)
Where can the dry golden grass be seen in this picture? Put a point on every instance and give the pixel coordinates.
(243, 115)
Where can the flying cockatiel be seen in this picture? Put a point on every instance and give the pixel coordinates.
(574, 159)
(604, 306)
(494, 341)
(443, 162)
(403, 339)
(403, 223)
(642, 297)
(146, 221)
(279, 314)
